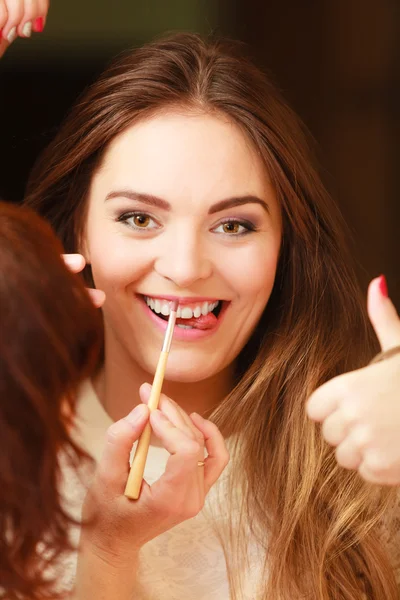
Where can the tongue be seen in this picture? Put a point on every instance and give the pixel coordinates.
(202, 322)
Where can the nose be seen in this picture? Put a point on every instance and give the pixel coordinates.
(184, 260)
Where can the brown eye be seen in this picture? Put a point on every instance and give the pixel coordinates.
(141, 221)
(138, 220)
(231, 227)
(235, 228)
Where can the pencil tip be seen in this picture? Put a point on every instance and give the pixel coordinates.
(174, 305)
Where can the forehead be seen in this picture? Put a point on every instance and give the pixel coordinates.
(196, 156)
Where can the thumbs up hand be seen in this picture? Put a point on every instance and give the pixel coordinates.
(360, 410)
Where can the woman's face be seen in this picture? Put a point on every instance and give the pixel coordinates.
(181, 207)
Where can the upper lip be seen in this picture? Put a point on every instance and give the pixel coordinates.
(183, 300)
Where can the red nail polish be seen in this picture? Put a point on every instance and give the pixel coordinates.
(38, 25)
(383, 286)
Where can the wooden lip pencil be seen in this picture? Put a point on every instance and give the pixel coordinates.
(134, 483)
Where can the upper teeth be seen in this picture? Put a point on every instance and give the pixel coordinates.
(163, 307)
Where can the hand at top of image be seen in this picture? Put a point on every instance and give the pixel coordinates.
(20, 18)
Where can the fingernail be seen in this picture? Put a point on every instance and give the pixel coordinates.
(38, 25)
(12, 34)
(136, 415)
(383, 286)
(27, 29)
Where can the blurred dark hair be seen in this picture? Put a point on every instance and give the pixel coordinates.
(50, 334)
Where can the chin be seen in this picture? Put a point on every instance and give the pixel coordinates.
(193, 367)
(183, 371)
(189, 375)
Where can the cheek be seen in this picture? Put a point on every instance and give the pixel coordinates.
(252, 273)
(117, 264)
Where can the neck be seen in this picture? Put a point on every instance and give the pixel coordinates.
(117, 386)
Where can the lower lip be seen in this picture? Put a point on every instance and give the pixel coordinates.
(185, 334)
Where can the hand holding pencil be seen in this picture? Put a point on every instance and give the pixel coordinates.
(122, 526)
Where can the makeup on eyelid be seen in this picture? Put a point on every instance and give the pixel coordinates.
(248, 225)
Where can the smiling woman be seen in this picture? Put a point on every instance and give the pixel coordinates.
(182, 175)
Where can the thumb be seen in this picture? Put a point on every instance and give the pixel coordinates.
(113, 467)
(382, 314)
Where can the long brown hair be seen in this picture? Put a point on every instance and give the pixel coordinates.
(50, 336)
(318, 525)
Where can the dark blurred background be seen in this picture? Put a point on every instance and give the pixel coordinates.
(337, 62)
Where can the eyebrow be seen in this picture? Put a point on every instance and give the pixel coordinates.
(164, 205)
(138, 197)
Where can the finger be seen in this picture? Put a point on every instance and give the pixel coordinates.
(181, 419)
(30, 13)
(40, 23)
(382, 314)
(369, 475)
(98, 297)
(323, 401)
(374, 466)
(175, 439)
(74, 262)
(183, 448)
(25, 29)
(3, 15)
(180, 487)
(348, 455)
(113, 468)
(335, 428)
(179, 490)
(218, 455)
(375, 469)
(169, 410)
(167, 404)
(15, 10)
(350, 452)
(174, 412)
